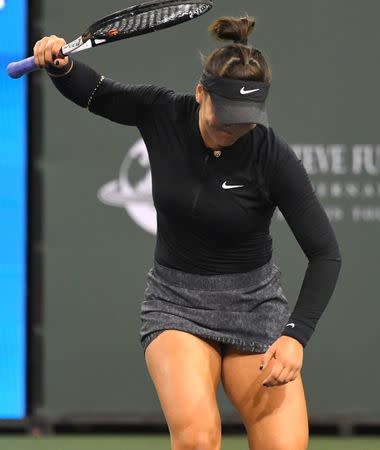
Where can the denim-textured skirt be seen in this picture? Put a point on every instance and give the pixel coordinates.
(246, 310)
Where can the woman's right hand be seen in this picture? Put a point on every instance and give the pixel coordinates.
(46, 50)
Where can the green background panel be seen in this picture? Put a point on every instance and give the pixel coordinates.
(324, 58)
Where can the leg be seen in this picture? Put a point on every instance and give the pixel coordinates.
(186, 373)
(275, 417)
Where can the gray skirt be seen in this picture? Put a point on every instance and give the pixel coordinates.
(246, 310)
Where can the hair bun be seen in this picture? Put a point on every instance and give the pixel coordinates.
(233, 28)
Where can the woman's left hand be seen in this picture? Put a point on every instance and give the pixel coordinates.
(288, 355)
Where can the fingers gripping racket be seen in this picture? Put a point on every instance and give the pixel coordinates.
(133, 21)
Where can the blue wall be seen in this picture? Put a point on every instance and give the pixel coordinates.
(13, 177)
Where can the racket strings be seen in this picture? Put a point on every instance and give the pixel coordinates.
(146, 20)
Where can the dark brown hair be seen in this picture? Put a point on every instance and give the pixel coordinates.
(238, 60)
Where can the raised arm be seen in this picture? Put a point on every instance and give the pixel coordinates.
(122, 103)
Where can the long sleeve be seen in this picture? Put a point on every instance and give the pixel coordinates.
(122, 103)
(293, 193)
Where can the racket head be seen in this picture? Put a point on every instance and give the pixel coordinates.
(133, 21)
(144, 18)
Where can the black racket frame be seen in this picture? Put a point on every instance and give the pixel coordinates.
(90, 33)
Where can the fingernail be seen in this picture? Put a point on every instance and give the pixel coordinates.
(57, 63)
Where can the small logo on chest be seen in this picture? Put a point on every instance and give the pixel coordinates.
(231, 186)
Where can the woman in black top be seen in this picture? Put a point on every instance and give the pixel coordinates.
(214, 309)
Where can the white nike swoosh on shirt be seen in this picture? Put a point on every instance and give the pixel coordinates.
(225, 186)
(291, 325)
(244, 92)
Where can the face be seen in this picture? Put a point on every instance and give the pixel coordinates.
(215, 133)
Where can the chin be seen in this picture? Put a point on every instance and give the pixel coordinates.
(223, 138)
(227, 140)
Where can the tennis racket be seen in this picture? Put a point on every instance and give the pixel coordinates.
(133, 21)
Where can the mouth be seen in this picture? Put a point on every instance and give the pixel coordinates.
(224, 131)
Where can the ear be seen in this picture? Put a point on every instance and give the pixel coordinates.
(199, 93)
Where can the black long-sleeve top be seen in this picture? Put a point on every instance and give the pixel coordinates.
(204, 225)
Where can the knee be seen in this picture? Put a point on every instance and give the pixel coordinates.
(197, 439)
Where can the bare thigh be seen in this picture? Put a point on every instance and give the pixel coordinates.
(275, 417)
(186, 372)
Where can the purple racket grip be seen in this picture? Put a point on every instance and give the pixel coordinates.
(19, 68)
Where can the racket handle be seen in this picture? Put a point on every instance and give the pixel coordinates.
(19, 68)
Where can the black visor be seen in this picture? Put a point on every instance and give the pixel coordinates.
(237, 101)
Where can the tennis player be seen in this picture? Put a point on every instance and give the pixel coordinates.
(214, 309)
